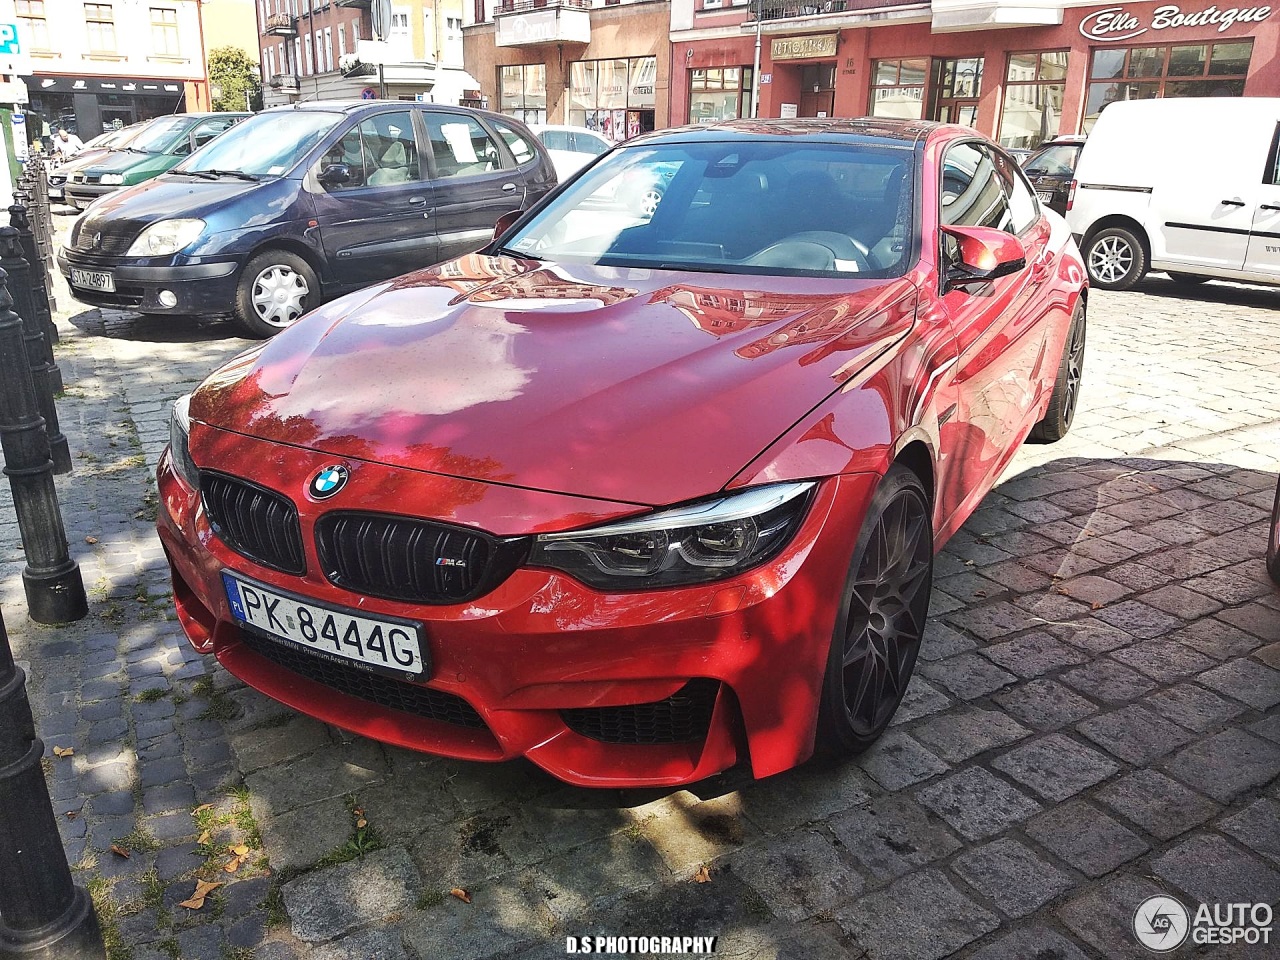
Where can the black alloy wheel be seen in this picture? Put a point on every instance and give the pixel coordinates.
(1066, 387)
(878, 634)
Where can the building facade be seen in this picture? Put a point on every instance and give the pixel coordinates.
(1019, 74)
(325, 49)
(101, 65)
(601, 64)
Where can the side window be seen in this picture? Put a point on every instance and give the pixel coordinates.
(1272, 175)
(390, 149)
(1024, 209)
(460, 147)
(972, 195)
(348, 150)
(556, 140)
(585, 144)
(206, 131)
(520, 148)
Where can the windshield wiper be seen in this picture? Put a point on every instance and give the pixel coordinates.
(508, 252)
(214, 174)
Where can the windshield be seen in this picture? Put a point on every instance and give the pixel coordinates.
(160, 134)
(266, 145)
(809, 209)
(1057, 161)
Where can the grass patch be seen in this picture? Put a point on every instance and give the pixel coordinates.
(171, 947)
(108, 911)
(151, 695)
(138, 841)
(755, 905)
(221, 706)
(152, 888)
(273, 903)
(202, 687)
(237, 953)
(428, 899)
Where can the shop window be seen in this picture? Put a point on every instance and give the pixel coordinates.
(31, 12)
(1177, 70)
(523, 92)
(164, 31)
(102, 27)
(956, 85)
(719, 93)
(616, 98)
(1034, 87)
(897, 88)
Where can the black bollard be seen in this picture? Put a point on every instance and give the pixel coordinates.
(21, 221)
(42, 912)
(54, 588)
(39, 355)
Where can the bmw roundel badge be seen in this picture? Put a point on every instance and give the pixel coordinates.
(328, 481)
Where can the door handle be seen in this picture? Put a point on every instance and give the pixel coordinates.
(1231, 203)
(508, 187)
(1268, 206)
(417, 201)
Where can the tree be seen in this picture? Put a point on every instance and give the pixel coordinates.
(232, 73)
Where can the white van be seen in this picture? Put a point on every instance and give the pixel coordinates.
(1187, 186)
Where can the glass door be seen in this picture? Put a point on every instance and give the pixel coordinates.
(956, 86)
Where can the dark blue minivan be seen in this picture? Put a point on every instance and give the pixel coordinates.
(299, 204)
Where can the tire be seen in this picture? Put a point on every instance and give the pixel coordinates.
(881, 618)
(1187, 279)
(276, 287)
(1273, 546)
(1115, 259)
(1066, 387)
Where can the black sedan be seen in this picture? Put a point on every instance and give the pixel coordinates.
(1051, 168)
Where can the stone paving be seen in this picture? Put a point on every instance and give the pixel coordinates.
(1094, 717)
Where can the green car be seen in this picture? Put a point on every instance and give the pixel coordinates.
(162, 145)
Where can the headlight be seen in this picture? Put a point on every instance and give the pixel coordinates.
(684, 545)
(166, 237)
(111, 179)
(179, 442)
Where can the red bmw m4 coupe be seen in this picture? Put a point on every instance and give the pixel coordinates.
(637, 495)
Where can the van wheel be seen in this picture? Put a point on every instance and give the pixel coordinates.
(1066, 388)
(275, 289)
(1187, 279)
(881, 618)
(1115, 259)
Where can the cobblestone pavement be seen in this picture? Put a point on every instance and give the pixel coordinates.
(1094, 717)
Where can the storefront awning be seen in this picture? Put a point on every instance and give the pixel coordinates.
(953, 17)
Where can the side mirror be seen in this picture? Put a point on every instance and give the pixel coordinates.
(506, 222)
(335, 175)
(985, 254)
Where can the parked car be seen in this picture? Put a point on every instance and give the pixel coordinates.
(94, 150)
(1187, 186)
(301, 203)
(636, 497)
(1051, 168)
(1273, 541)
(164, 143)
(571, 148)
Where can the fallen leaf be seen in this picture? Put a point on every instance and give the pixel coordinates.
(63, 751)
(1062, 590)
(361, 823)
(203, 838)
(232, 865)
(119, 851)
(703, 875)
(358, 812)
(90, 539)
(979, 593)
(203, 889)
(240, 850)
(72, 814)
(461, 894)
(203, 807)
(1097, 605)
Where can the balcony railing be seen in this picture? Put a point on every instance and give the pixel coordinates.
(284, 82)
(522, 6)
(364, 4)
(787, 9)
(280, 25)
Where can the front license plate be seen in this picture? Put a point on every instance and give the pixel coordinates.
(55, 193)
(381, 644)
(1045, 197)
(93, 280)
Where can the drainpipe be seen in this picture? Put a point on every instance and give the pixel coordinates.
(204, 55)
(755, 72)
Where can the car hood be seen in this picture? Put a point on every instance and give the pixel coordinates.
(641, 386)
(120, 161)
(164, 197)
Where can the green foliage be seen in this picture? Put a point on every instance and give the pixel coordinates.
(234, 72)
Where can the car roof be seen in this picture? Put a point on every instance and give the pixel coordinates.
(824, 129)
(566, 127)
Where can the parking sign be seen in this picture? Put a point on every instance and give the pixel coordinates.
(9, 44)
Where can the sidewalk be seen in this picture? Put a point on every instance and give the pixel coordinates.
(1094, 718)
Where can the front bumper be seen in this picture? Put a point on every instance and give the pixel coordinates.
(83, 194)
(551, 668)
(202, 289)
